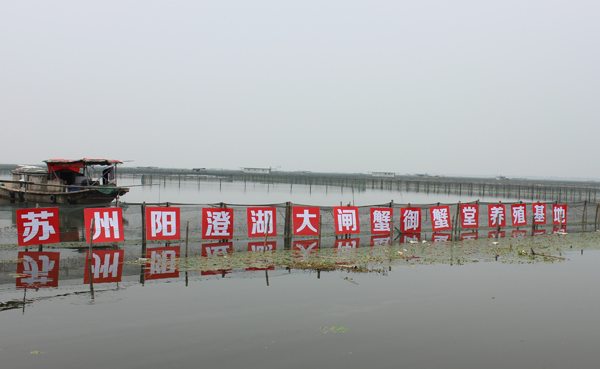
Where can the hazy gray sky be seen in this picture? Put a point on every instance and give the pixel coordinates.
(447, 87)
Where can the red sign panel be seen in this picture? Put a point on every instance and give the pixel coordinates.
(410, 220)
(260, 246)
(519, 214)
(440, 218)
(559, 230)
(559, 214)
(497, 215)
(539, 232)
(469, 215)
(162, 223)
(346, 219)
(107, 266)
(217, 249)
(163, 262)
(108, 224)
(262, 221)
(350, 243)
(381, 220)
(441, 237)
(305, 221)
(38, 269)
(539, 213)
(37, 226)
(217, 224)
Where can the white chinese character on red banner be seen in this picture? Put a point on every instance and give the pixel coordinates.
(559, 214)
(440, 237)
(410, 220)
(108, 223)
(262, 221)
(519, 215)
(107, 266)
(217, 223)
(470, 216)
(381, 220)
(539, 213)
(346, 219)
(163, 262)
(306, 221)
(216, 249)
(37, 226)
(162, 223)
(440, 218)
(497, 215)
(38, 269)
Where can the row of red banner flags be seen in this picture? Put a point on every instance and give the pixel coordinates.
(41, 226)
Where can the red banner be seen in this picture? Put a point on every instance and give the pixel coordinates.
(163, 262)
(262, 221)
(306, 245)
(559, 214)
(162, 223)
(410, 220)
(539, 213)
(346, 219)
(37, 226)
(380, 241)
(217, 223)
(108, 224)
(107, 266)
(305, 221)
(38, 269)
(469, 215)
(497, 215)
(469, 236)
(519, 215)
(440, 218)
(410, 237)
(381, 220)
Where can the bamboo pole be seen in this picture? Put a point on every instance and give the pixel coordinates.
(90, 274)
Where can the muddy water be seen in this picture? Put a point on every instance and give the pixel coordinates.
(488, 314)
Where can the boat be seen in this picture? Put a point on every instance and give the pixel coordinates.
(83, 181)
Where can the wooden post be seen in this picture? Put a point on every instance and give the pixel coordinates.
(321, 226)
(267, 231)
(288, 231)
(457, 217)
(392, 222)
(90, 274)
(187, 238)
(583, 216)
(596, 217)
(144, 229)
(167, 243)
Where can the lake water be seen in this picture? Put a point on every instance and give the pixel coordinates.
(472, 304)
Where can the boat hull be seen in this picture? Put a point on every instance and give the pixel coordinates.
(84, 196)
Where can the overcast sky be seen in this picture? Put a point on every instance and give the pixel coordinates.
(446, 87)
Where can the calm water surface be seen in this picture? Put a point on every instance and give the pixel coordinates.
(478, 315)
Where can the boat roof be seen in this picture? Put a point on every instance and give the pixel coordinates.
(84, 161)
(75, 165)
